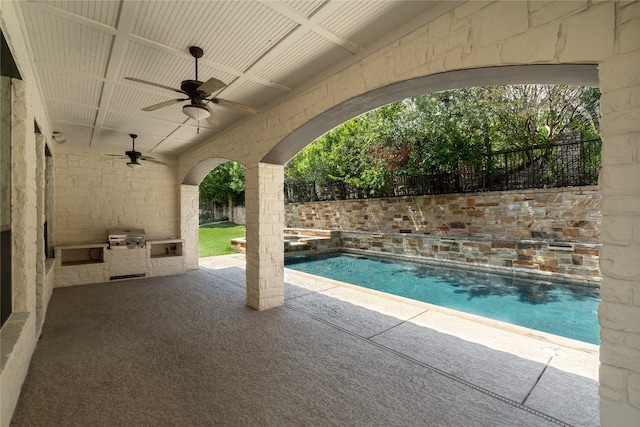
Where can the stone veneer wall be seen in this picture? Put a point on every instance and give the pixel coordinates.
(94, 193)
(18, 334)
(576, 263)
(535, 232)
(562, 215)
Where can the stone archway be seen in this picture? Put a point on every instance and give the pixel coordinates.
(567, 74)
(473, 36)
(190, 208)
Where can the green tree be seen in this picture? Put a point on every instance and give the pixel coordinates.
(453, 132)
(224, 184)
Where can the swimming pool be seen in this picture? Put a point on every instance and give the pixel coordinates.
(561, 309)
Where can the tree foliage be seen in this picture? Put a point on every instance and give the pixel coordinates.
(445, 129)
(223, 183)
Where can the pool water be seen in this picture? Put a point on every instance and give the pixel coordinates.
(561, 309)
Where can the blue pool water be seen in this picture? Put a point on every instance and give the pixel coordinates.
(557, 308)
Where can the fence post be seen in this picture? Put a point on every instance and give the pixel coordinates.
(506, 172)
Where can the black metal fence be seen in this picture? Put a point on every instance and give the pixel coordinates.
(566, 164)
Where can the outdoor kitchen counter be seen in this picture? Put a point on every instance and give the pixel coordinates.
(88, 263)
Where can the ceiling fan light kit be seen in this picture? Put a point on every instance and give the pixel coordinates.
(133, 165)
(196, 112)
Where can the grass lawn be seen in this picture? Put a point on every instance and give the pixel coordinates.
(216, 239)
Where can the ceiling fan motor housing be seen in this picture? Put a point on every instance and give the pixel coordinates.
(196, 51)
(190, 87)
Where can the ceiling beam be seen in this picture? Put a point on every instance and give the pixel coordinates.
(68, 16)
(311, 25)
(128, 12)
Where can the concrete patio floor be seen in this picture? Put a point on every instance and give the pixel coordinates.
(185, 350)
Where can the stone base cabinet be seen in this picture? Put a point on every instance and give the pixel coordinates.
(97, 263)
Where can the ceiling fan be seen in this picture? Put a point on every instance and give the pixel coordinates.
(134, 155)
(198, 94)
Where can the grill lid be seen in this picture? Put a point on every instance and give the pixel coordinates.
(126, 238)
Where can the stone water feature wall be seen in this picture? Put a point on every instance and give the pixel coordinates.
(577, 262)
(537, 232)
(563, 215)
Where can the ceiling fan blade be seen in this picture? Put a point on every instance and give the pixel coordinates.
(236, 106)
(212, 119)
(133, 79)
(211, 86)
(152, 160)
(163, 104)
(119, 156)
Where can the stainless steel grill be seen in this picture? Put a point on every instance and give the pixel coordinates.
(126, 238)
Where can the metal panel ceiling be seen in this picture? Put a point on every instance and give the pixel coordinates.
(82, 50)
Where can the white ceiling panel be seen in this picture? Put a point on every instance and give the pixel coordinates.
(188, 133)
(67, 43)
(305, 8)
(251, 93)
(81, 50)
(137, 125)
(303, 60)
(171, 146)
(104, 12)
(72, 87)
(365, 21)
(129, 99)
(72, 113)
(224, 28)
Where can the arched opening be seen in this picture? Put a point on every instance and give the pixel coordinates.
(616, 155)
(199, 171)
(220, 205)
(433, 179)
(579, 75)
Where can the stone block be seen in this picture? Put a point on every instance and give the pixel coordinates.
(612, 378)
(614, 352)
(633, 389)
(468, 9)
(503, 245)
(620, 317)
(536, 45)
(547, 12)
(513, 18)
(588, 34)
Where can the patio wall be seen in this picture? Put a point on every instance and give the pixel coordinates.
(95, 193)
(536, 232)
(562, 215)
(577, 263)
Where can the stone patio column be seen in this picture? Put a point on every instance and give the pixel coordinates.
(264, 203)
(189, 224)
(23, 200)
(40, 219)
(620, 288)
